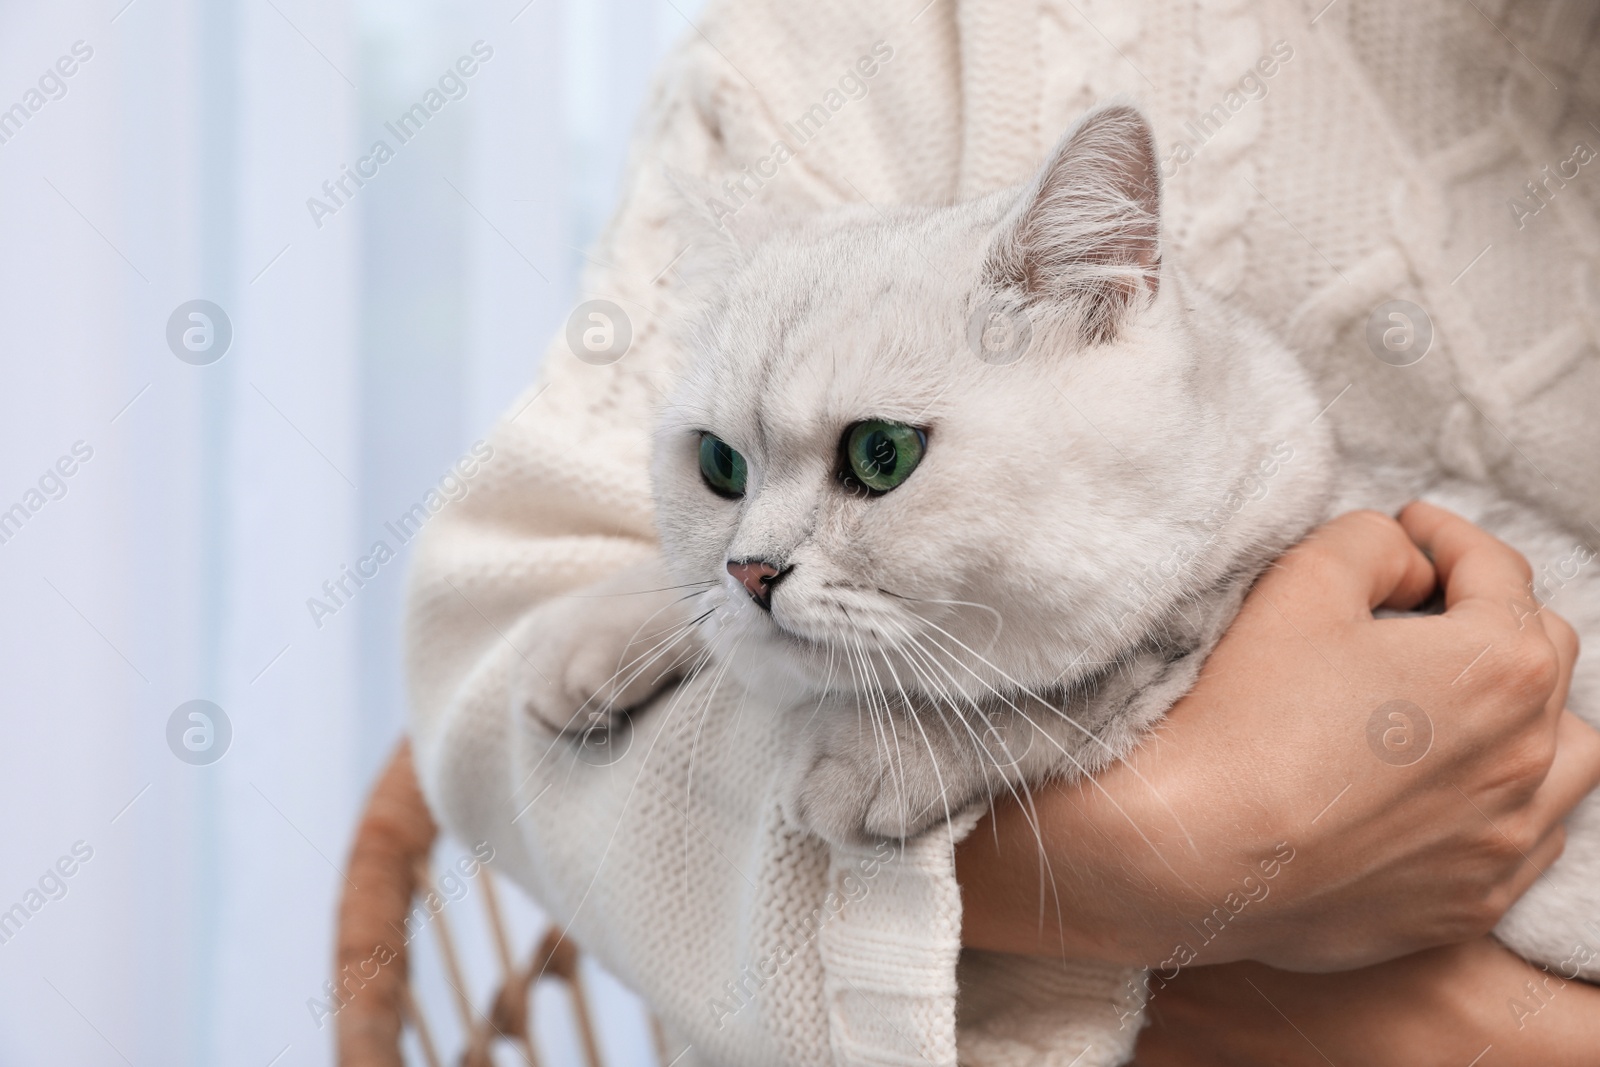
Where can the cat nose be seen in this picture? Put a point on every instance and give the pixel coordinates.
(758, 577)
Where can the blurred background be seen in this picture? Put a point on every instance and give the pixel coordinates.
(228, 365)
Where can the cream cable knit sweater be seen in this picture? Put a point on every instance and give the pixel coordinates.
(1382, 162)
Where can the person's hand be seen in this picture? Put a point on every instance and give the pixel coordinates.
(1475, 1003)
(1288, 810)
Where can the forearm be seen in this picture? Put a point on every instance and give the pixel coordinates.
(1016, 899)
(1549, 1021)
(1474, 1003)
(1476, 999)
(1106, 870)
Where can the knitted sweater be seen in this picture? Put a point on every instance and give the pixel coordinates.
(1317, 164)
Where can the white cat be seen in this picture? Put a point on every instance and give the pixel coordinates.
(979, 488)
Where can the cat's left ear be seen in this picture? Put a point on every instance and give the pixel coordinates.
(1087, 229)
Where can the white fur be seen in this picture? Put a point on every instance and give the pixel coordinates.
(1080, 531)
(941, 629)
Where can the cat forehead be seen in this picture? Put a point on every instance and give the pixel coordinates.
(858, 313)
(806, 326)
(806, 277)
(854, 284)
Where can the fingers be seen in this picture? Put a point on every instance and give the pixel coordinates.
(1479, 572)
(1542, 855)
(1538, 860)
(1565, 640)
(1358, 561)
(1573, 774)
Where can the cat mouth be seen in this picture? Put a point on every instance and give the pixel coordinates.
(841, 641)
(796, 638)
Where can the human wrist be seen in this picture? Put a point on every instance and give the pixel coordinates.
(1486, 1001)
(1194, 824)
(1142, 888)
(1534, 1013)
(1019, 896)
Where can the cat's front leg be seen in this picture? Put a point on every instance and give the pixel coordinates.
(860, 771)
(604, 649)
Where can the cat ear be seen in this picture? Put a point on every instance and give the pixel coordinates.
(1087, 229)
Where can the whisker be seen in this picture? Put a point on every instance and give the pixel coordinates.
(1073, 759)
(1024, 798)
(890, 716)
(999, 620)
(1079, 726)
(563, 736)
(640, 592)
(916, 644)
(933, 757)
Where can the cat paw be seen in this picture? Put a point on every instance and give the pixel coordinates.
(842, 787)
(569, 683)
(589, 658)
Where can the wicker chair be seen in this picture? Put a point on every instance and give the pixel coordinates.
(387, 869)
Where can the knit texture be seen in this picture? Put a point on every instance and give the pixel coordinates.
(1381, 163)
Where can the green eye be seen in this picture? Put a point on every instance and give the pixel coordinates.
(721, 467)
(881, 455)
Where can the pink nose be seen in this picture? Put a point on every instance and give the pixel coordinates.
(757, 577)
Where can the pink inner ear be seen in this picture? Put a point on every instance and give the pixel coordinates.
(1088, 231)
(1105, 178)
(1144, 179)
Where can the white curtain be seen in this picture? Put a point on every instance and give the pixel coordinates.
(373, 339)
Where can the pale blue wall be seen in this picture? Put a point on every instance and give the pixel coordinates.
(367, 354)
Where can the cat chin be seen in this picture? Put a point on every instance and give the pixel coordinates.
(764, 659)
(775, 674)
(767, 658)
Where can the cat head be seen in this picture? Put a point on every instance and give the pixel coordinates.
(943, 448)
